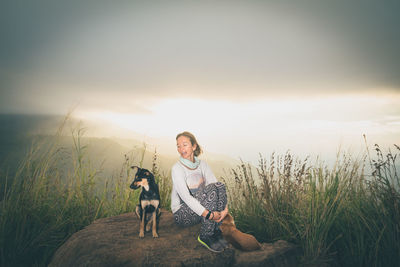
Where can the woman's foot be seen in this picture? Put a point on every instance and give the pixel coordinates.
(211, 243)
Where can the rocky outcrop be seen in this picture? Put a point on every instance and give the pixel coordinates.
(115, 241)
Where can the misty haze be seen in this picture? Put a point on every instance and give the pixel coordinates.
(295, 104)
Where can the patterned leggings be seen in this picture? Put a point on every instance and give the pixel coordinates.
(212, 197)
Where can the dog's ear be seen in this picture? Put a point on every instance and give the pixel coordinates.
(135, 170)
(135, 167)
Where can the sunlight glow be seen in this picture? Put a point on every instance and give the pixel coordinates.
(234, 127)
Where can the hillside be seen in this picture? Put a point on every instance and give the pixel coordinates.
(20, 133)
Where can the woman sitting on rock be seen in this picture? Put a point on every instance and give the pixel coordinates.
(197, 196)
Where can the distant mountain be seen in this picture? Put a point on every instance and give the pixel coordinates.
(18, 133)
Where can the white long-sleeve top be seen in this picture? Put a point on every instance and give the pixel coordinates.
(182, 178)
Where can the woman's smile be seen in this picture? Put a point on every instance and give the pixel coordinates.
(185, 148)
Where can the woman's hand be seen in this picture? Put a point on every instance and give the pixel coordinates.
(215, 216)
(222, 214)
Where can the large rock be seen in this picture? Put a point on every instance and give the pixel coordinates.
(115, 241)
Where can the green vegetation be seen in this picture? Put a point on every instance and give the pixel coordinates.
(43, 204)
(338, 216)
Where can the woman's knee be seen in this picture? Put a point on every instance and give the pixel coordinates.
(220, 186)
(215, 186)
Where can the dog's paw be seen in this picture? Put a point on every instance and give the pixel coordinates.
(141, 235)
(155, 235)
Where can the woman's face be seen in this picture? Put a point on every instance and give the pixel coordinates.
(185, 148)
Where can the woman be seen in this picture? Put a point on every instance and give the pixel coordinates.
(197, 196)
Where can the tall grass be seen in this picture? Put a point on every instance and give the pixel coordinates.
(43, 204)
(339, 216)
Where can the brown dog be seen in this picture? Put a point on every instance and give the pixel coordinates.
(238, 239)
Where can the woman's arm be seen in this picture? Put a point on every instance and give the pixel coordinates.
(207, 173)
(179, 183)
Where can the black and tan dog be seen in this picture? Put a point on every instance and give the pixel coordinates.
(149, 200)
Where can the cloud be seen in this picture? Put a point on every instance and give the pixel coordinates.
(58, 54)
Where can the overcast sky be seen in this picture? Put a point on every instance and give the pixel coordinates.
(319, 61)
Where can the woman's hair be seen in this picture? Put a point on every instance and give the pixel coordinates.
(193, 140)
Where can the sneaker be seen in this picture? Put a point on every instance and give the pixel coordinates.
(211, 243)
(218, 235)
